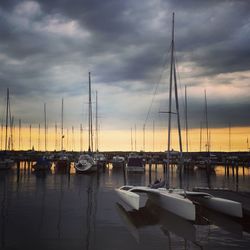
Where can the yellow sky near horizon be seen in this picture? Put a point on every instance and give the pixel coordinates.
(120, 140)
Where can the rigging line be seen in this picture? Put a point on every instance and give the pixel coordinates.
(180, 87)
(157, 85)
(179, 80)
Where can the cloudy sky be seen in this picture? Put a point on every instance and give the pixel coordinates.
(48, 47)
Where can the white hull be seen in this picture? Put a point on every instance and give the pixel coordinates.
(85, 168)
(180, 202)
(225, 206)
(172, 202)
(175, 203)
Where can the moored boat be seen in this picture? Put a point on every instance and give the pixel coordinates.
(135, 163)
(86, 164)
(118, 161)
(42, 164)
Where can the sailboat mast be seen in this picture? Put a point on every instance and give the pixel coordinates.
(90, 117)
(206, 119)
(153, 135)
(62, 136)
(144, 125)
(6, 121)
(170, 92)
(96, 122)
(131, 139)
(186, 118)
(19, 134)
(45, 128)
(135, 137)
(177, 111)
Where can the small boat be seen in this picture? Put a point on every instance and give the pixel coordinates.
(173, 202)
(86, 164)
(118, 161)
(41, 164)
(135, 163)
(63, 163)
(100, 159)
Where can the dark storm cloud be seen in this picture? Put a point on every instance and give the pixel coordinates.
(47, 47)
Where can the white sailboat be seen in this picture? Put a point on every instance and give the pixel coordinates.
(86, 162)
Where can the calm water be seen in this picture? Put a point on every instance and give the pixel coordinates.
(72, 211)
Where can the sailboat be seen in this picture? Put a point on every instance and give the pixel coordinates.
(98, 156)
(5, 162)
(87, 163)
(177, 201)
(63, 162)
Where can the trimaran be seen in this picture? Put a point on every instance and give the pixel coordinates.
(177, 201)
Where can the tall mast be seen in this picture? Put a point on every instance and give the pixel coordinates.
(170, 94)
(90, 117)
(96, 123)
(73, 139)
(135, 137)
(186, 118)
(2, 135)
(153, 135)
(19, 134)
(55, 136)
(200, 136)
(39, 133)
(144, 125)
(206, 120)
(6, 121)
(45, 128)
(62, 136)
(30, 136)
(177, 111)
(81, 137)
(131, 139)
(229, 137)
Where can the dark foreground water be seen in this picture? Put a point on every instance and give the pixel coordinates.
(53, 211)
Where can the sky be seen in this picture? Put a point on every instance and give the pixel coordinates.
(47, 49)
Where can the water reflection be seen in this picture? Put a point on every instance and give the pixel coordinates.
(194, 233)
(46, 210)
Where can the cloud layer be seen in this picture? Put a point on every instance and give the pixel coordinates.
(48, 47)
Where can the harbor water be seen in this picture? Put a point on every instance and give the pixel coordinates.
(77, 211)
